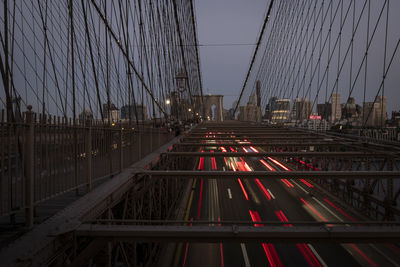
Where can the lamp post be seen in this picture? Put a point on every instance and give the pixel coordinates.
(168, 109)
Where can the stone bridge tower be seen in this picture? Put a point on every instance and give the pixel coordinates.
(210, 101)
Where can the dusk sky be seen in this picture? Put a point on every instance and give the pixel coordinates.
(227, 31)
(233, 22)
(227, 22)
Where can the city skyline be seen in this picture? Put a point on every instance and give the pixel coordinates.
(224, 66)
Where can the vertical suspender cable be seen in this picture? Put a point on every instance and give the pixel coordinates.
(254, 55)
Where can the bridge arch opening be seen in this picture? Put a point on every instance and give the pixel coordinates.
(211, 105)
(213, 112)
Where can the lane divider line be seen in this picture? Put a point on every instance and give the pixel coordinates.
(313, 209)
(384, 255)
(353, 246)
(244, 191)
(179, 248)
(269, 248)
(189, 206)
(305, 191)
(308, 254)
(371, 262)
(326, 208)
(229, 193)
(360, 252)
(245, 256)
(200, 198)
(221, 248)
(187, 248)
(323, 263)
(263, 189)
(270, 193)
(340, 210)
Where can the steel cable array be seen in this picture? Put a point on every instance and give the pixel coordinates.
(67, 58)
(314, 49)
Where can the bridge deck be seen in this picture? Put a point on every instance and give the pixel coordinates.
(70, 218)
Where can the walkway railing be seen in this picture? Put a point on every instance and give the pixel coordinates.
(42, 157)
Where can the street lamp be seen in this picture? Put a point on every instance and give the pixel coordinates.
(168, 108)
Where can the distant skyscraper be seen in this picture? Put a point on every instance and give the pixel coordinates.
(131, 111)
(281, 111)
(395, 120)
(268, 113)
(381, 115)
(375, 112)
(111, 113)
(349, 109)
(270, 107)
(271, 103)
(253, 99)
(324, 110)
(302, 109)
(251, 112)
(336, 109)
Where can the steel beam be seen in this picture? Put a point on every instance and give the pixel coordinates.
(306, 138)
(238, 222)
(275, 144)
(251, 133)
(232, 127)
(351, 154)
(237, 233)
(247, 132)
(274, 175)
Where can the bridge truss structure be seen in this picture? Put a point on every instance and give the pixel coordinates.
(136, 216)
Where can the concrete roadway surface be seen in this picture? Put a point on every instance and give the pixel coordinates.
(272, 200)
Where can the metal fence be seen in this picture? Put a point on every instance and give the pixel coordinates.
(45, 156)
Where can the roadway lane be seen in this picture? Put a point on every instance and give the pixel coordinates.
(213, 201)
(229, 202)
(263, 201)
(272, 200)
(287, 200)
(235, 206)
(205, 206)
(325, 210)
(238, 202)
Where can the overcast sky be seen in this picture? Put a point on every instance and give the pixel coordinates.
(227, 22)
(239, 22)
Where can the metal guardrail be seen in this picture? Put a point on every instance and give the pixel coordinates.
(367, 136)
(40, 159)
(43, 243)
(350, 154)
(238, 222)
(239, 233)
(348, 175)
